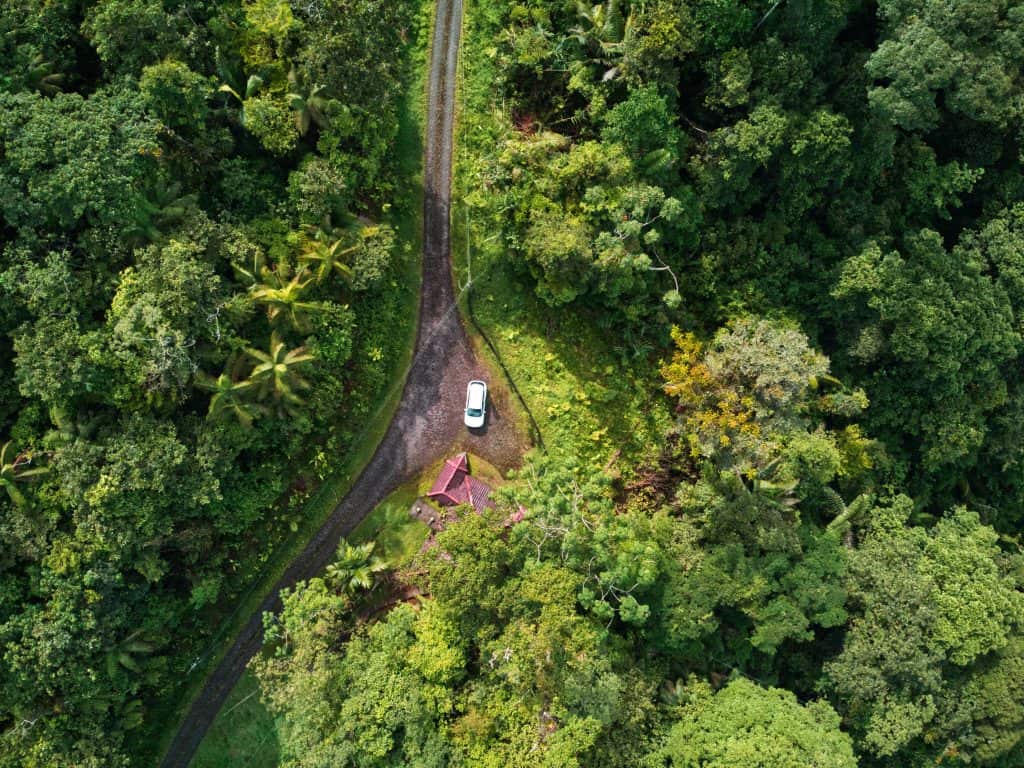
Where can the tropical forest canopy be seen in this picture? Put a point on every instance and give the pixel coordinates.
(806, 215)
(198, 302)
(812, 214)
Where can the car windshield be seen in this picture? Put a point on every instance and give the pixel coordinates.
(472, 411)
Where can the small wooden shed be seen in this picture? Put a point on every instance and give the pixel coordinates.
(454, 485)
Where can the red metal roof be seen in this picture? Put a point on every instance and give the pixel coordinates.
(479, 493)
(452, 474)
(456, 486)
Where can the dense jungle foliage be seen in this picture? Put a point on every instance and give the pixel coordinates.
(821, 202)
(198, 306)
(804, 217)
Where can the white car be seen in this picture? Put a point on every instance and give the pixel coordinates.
(476, 404)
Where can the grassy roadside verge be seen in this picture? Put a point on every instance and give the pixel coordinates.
(244, 733)
(591, 394)
(406, 217)
(397, 535)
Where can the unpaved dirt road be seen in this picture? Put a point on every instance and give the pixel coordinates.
(428, 423)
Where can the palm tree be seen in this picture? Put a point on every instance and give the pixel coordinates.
(124, 653)
(275, 376)
(354, 568)
(42, 77)
(12, 470)
(764, 482)
(283, 298)
(673, 692)
(604, 33)
(234, 88)
(157, 211)
(229, 397)
(331, 248)
(308, 107)
(68, 426)
(252, 87)
(254, 272)
(130, 715)
(842, 523)
(329, 256)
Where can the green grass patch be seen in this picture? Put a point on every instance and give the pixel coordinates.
(590, 394)
(244, 733)
(398, 534)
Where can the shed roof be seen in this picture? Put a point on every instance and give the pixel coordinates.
(454, 485)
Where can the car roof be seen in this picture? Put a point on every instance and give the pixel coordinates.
(476, 393)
